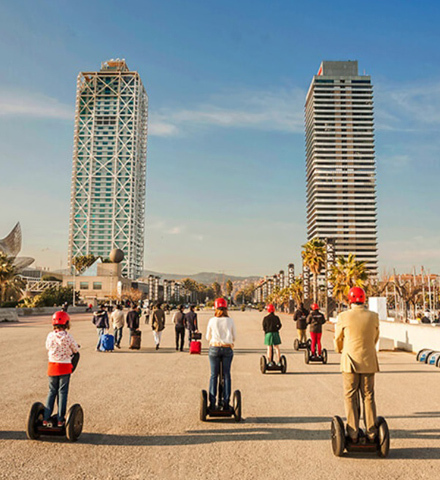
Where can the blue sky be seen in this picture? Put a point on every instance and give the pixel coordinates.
(226, 84)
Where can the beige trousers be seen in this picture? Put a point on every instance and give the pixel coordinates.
(362, 384)
(302, 335)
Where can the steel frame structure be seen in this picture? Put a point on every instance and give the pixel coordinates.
(109, 166)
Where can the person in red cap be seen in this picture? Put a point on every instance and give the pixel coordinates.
(60, 346)
(221, 336)
(271, 327)
(316, 320)
(356, 335)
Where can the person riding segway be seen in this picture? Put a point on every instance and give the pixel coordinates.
(356, 335)
(271, 327)
(221, 335)
(316, 320)
(300, 317)
(63, 359)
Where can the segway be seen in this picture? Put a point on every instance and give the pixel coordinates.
(271, 366)
(309, 357)
(341, 441)
(219, 410)
(71, 429)
(297, 345)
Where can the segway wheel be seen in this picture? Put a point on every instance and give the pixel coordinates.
(309, 343)
(307, 354)
(35, 419)
(74, 423)
(203, 405)
(296, 344)
(383, 447)
(437, 363)
(263, 364)
(428, 356)
(237, 405)
(283, 361)
(324, 356)
(338, 436)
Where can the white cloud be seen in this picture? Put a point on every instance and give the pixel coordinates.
(278, 110)
(20, 103)
(409, 108)
(175, 230)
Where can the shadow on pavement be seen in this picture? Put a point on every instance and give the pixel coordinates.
(198, 437)
(414, 453)
(275, 420)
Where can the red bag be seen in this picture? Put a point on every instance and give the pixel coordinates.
(195, 347)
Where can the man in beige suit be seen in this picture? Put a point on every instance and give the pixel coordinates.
(356, 335)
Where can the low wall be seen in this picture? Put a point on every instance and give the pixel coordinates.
(8, 315)
(12, 314)
(408, 337)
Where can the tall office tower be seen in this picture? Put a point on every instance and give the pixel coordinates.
(109, 166)
(340, 161)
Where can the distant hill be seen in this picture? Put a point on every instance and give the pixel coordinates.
(206, 278)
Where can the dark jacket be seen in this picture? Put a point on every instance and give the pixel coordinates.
(316, 320)
(300, 317)
(100, 319)
(133, 320)
(191, 320)
(271, 323)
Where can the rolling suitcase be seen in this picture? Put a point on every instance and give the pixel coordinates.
(195, 347)
(135, 343)
(107, 343)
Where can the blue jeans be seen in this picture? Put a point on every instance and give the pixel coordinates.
(58, 387)
(219, 355)
(118, 335)
(101, 331)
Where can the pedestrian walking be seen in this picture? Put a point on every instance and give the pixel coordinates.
(147, 313)
(356, 335)
(191, 323)
(300, 317)
(221, 335)
(179, 322)
(60, 346)
(271, 327)
(316, 320)
(118, 319)
(133, 321)
(158, 324)
(100, 320)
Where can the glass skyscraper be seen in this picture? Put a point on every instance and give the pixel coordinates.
(340, 161)
(109, 166)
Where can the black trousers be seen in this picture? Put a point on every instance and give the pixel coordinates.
(180, 335)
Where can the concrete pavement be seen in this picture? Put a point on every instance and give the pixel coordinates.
(142, 411)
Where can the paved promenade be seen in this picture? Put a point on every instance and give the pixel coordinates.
(142, 412)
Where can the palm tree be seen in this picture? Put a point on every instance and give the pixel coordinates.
(296, 290)
(346, 273)
(314, 258)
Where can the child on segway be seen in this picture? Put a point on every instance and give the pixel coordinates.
(271, 327)
(315, 320)
(60, 346)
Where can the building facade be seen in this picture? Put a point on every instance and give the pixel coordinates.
(340, 161)
(109, 166)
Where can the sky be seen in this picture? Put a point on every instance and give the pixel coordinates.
(226, 155)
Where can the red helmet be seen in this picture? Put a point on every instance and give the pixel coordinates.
(220, 303)
(315, 306)
(270, 308)
(60, 318)
(356, 295)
